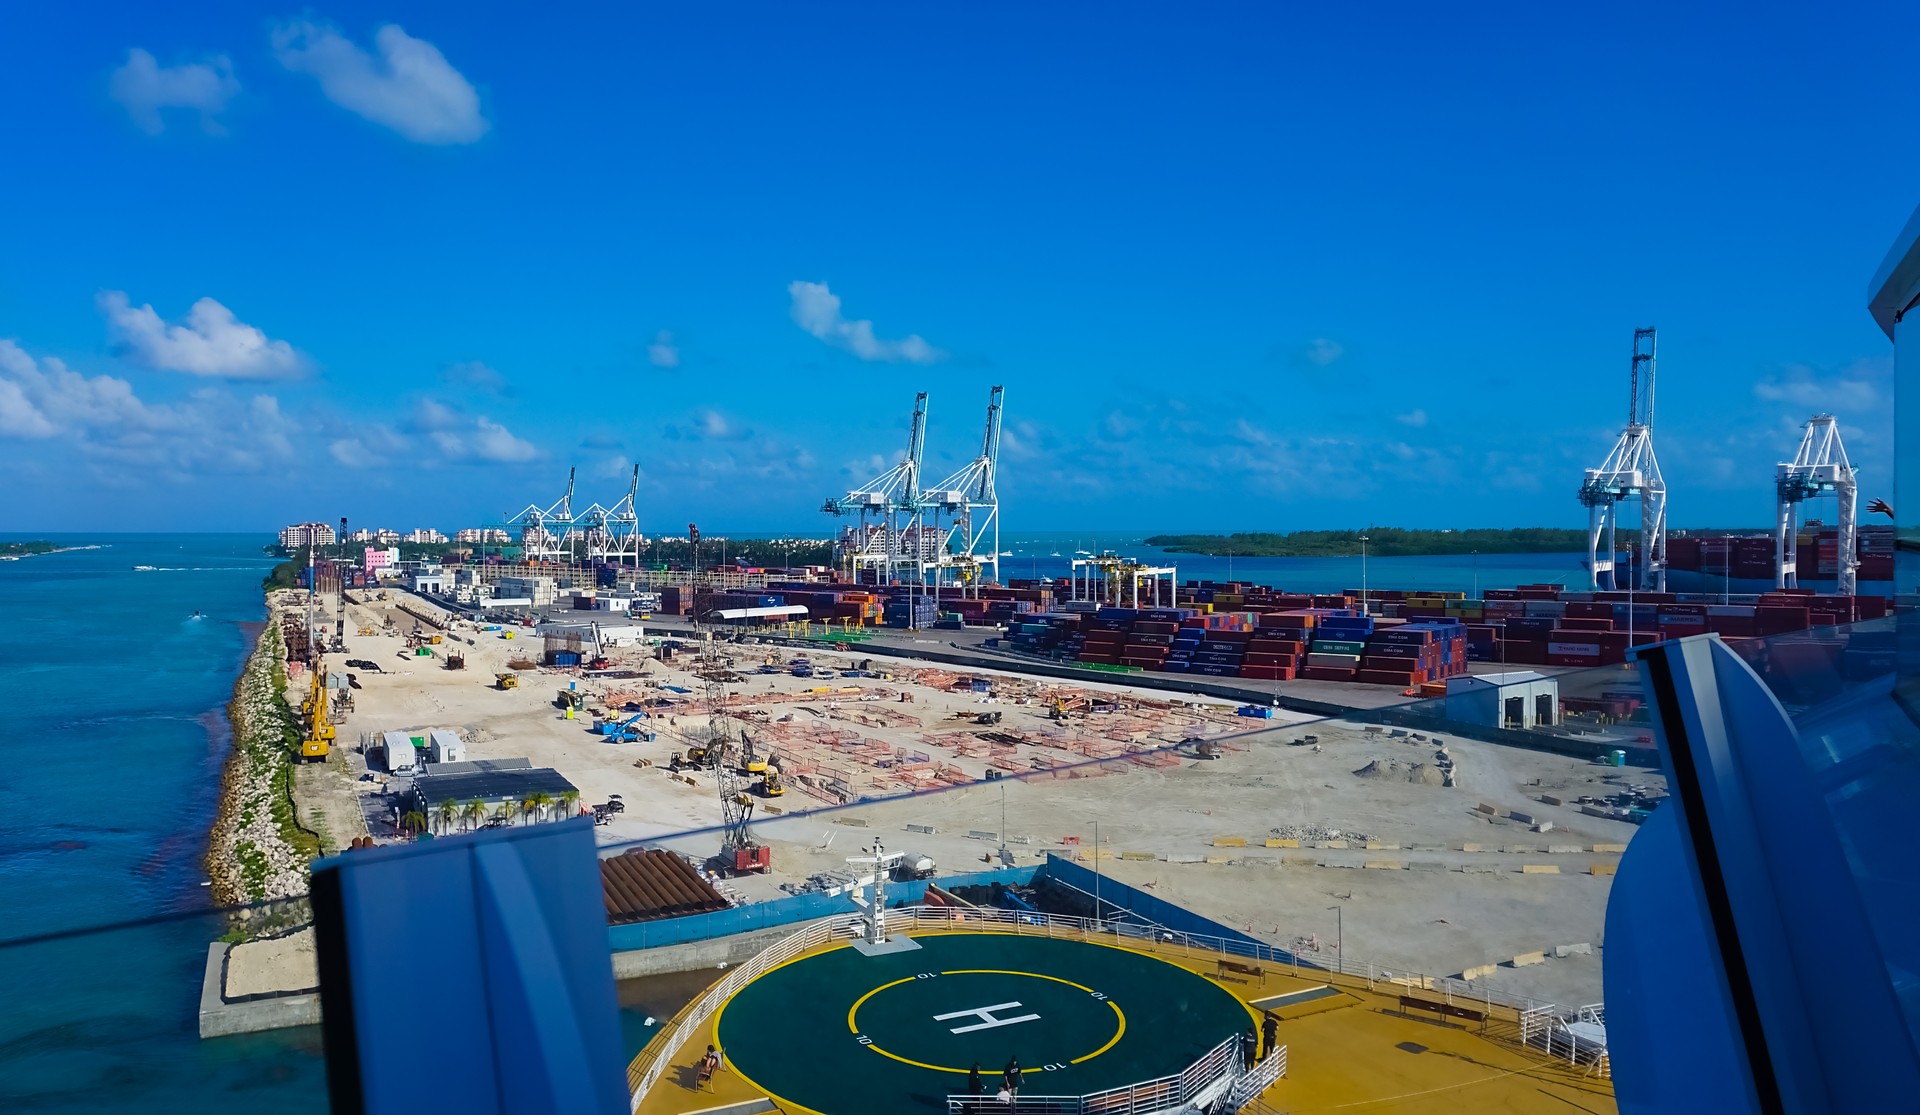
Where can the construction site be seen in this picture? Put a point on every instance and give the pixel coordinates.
(1442, 855)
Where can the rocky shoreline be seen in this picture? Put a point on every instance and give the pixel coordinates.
(257, 852)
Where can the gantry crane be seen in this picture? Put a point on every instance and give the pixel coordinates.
(971, 497)
(1630, 472)
(1819, 467)
(886, 498)
(612, 534)
(546, 533)
(1109, 578)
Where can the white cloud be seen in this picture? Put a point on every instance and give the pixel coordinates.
(468, 439)
(1322, 351)
(817, 310)
(1829, 394)
(662, 353)
(408, 87)
(143, 86)
(713, 424)
(475, 374)
(104, 419)
(212, 342)
(1416, 418)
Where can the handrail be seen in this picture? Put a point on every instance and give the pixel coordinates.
(1158, 1094)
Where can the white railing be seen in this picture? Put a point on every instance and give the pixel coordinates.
(1217, 1068)
(646, 1069)
(1578, 1039)
(1258, 1079)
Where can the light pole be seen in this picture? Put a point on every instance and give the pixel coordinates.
(1364, 609)
(1339, 936)
(1476, 574)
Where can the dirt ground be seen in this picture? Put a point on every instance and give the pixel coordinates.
(1438, 921)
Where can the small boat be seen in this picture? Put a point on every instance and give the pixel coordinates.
(143, 568)
(197, 615)
(1056, 553)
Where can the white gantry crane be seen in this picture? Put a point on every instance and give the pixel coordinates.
(546, 533)
(1818, 468)
(971, 498)
(881, 502)
(1630, 472)
(612, 534)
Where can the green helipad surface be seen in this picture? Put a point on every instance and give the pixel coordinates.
(845, 1034)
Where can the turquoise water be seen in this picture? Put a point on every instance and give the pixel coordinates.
(115, 734)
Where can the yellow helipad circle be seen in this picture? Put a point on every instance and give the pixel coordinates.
(853, 1026)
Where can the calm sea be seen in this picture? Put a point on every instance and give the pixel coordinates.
(114, 736)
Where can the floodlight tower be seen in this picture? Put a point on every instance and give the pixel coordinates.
(972, 497)
(1630, 472)
(1819, 467)
(885, 497)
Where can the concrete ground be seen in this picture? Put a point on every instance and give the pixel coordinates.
(1437, 923)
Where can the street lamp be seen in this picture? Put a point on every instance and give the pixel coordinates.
(1339, 936)
(1476, 574)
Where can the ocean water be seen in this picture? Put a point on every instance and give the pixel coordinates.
(110, 760)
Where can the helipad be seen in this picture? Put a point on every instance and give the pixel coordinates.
(840, 1032)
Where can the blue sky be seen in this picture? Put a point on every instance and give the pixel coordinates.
(1256, 267)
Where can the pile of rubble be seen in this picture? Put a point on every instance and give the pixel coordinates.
(1316, 832)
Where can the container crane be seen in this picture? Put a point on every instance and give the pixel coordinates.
(546, 533)
(1630, 472)
(971, 496)
(885, 498)
(612, 534)
(1819, 467)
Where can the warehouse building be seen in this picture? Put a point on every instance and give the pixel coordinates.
(1520, 699)
(501, 791)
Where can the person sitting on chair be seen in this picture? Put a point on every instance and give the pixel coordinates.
(709, 1065)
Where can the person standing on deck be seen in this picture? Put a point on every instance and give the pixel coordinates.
(1270, 1031)
(1012, 1075)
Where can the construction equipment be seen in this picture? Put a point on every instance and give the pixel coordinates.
(317, 740)
(625, 732)
(751, 761)
(739, 851)
(570, 700)
(456, 662)
(770, 785)
(506, 681)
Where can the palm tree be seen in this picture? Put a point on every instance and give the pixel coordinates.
(540, 801)
(475, 811)
(570, 802)
(501, 812)
(526, 810)
(446, 812)
(413, 821)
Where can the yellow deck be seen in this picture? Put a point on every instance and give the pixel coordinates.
(1354, 1052)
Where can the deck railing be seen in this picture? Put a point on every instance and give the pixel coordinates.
(1214, 1074)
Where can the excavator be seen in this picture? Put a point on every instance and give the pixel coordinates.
(317, 740)
(751, 761)
(770, 785)
(506, 681)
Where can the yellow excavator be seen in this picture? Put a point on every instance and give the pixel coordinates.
(770, 785)
(751, 761)
(506, 681)
(317, 740)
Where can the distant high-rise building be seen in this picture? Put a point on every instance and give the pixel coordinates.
(361, 535)
(425, 536)
(307, 534)
(387, 537)
(492, 536)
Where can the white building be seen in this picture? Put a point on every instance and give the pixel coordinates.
(540, 590)
(491, 536)
(307, 534)
(444, 746)
(425, 536)
(399, 750)
(376, 560)
(1521, 699)
(428, 579)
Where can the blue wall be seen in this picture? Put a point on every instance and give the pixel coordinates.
(1176, 918)
(786, 911)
